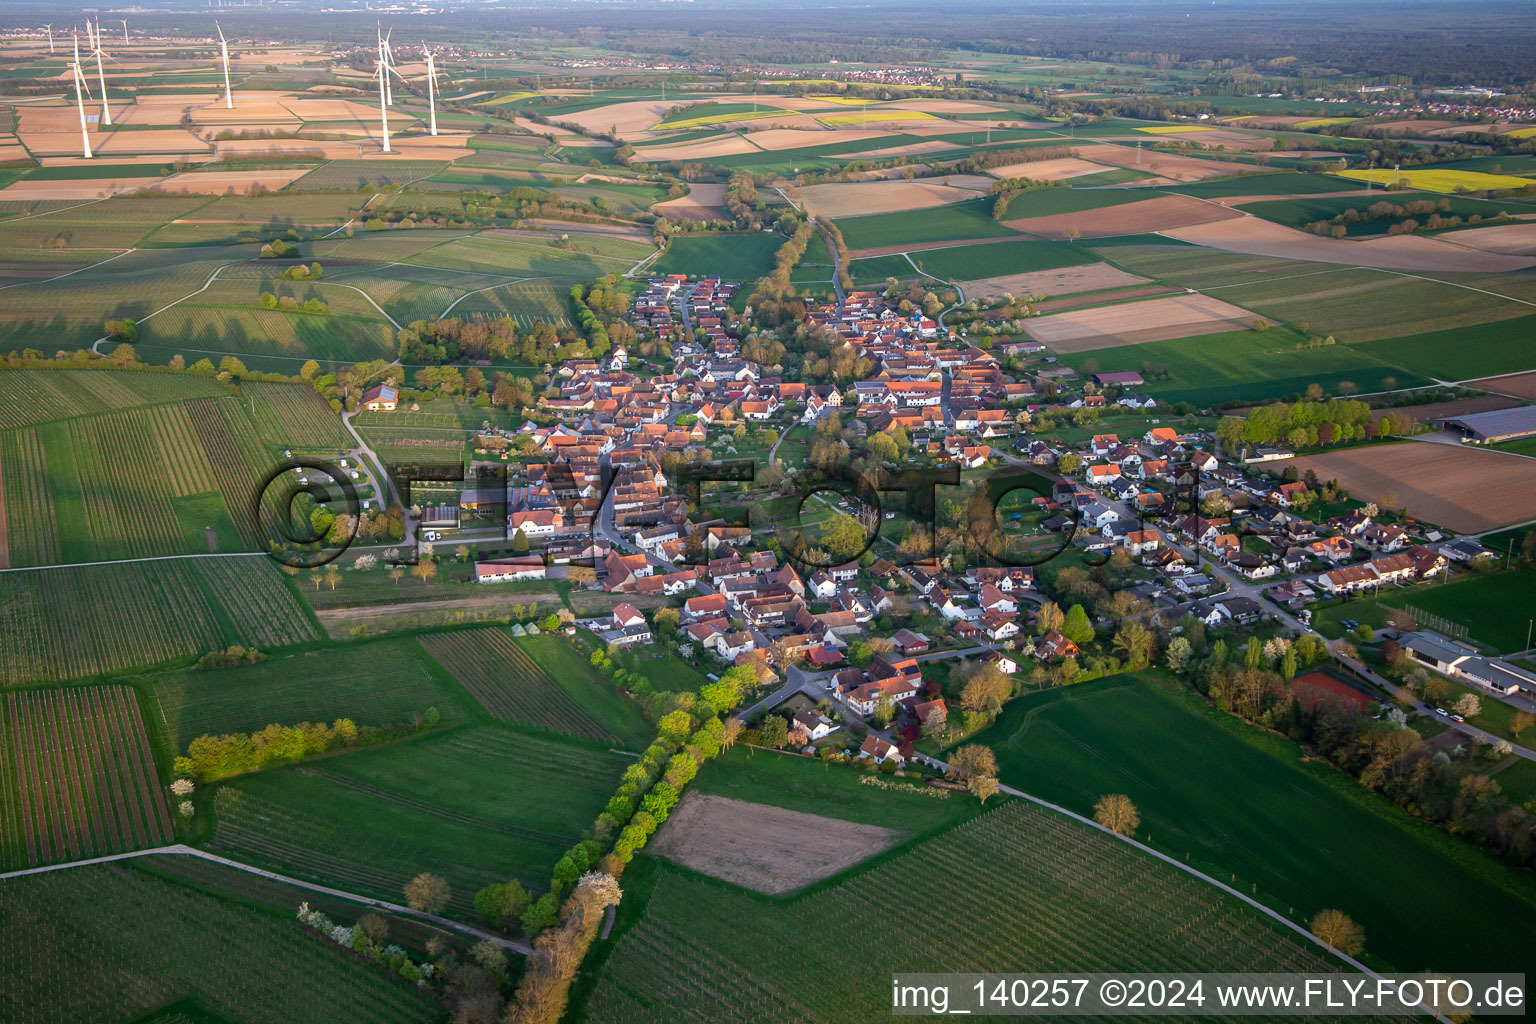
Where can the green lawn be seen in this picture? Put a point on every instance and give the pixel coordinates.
(1248, 365)
(473, 805)
(970, 219)
(1241, 804)
(1496, 608)
(875, 269)
(995, 259)
(1518, 781)
(739, 258)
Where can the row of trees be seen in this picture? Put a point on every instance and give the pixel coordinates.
(1309, 423)
(495, 339)
(212, 757)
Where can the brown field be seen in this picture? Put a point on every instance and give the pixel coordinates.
(911, 149)
(1462, 488)
(943, 106)
(1136, 323)
(851, 199)
(1403, 252)
(775, 139)
(1513, 239)
(1160, 214)
(703, 202)
(633, 117)
(1428, 411)
(309, 109)
(1168, 165)
(887, 173)
(236, 149)
(703, 149)
(768, 849)
(1521, 385)
(1417, 127)
(216, 182)
(74, 188)
(11, 149)
(1048, 170)
(1065, 281)
(1098, 298)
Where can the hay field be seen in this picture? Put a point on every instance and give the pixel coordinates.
(1065, 281)
(768, 849)
(1259, 237)
(1459, 487)
(855, 199)
(1147, 215)
(1136, 323)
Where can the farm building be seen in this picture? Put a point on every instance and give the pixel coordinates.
(1494, 426)
(380, 399)
(530, 568)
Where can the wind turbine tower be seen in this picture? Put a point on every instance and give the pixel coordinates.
(49, 27)
(80, 90)
(431, 90)
(229, 96)
(101, 79)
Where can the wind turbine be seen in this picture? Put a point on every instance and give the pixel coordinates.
(384, 72)
(229, 97)
(125, 31)
(389, 62)
(81, 89)
(49, 27)
(101, 78)
(431, 90)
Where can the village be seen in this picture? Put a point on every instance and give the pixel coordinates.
(1176, 532)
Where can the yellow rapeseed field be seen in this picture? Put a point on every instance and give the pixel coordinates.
(1174, 129)
(1437, 179)
(872, 116)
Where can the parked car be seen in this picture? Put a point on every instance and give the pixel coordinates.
(1442, 711)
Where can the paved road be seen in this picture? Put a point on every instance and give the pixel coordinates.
(518, 945)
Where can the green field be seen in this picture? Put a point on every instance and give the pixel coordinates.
(552, 693)
(1463, 353)
(475, 806)
(1247, 365)
(97, 973)
(997, 259)
(1239, 803)
(957, 221)
(739, 258)
(1273, 184)
(1038, 889)
(875, 269)
(144, 613)
(1496, 608)
(216, 330)
(1357, 305)
(1298, 213)
(36, 396)
(380, 683)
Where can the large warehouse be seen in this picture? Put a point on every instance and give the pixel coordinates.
(1495, 426)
